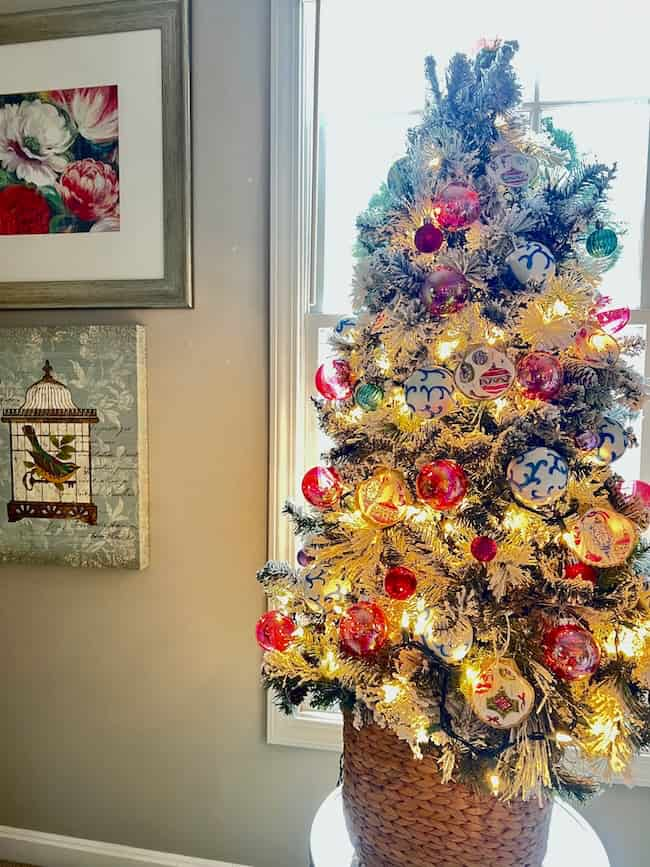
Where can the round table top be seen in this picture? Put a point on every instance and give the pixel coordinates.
(572, 840)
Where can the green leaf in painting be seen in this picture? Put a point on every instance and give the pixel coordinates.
(6, 179)
(62, 223)
(65, 454)
(29, 464)
(68, 438)
(56, 442)
(54, 200)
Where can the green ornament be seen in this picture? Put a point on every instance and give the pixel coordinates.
(368, 396)
(398, 180)
(601, 242)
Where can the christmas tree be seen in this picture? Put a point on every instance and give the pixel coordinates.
(471, 569)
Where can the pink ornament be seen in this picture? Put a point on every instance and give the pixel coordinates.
(587, 440)
(444, 291)
(428, 238)
(614, 321)
(363, 629)
(321, 486)
(632, 490)
(274, 631)
(570, 651)
(484, 549)
(441, 484)
(304, 559)
(539, 375)
(400, 582)
(457, 207)
(334, 379)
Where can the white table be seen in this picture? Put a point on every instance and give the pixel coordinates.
(572, 840)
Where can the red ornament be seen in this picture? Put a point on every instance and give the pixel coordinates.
(639, 489)
(400, 582)
(581, 571)
(570, 651)
(615, 320)
(322, 487)
(334, 379)
(539, 375)
(444, 291)
(363, 629)
(457, 207)
(484, 549)
(441, 484)
(428, 238)
(23, 211)
(274, 631)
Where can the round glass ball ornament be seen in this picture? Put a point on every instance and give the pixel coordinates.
(450, 643)
(601, 242)
(322, 487)
(400, 583)
(274, 631)
(457, 207)
(428, 238)
(602, 537)
(538, 478)
(334, 379)
(570, 651)
(484, 373)
(304, 559)
(483, 549)
(513, 169)
(580, 572)
(363, 629)
(345, 328)
(441, 484)
(586, 440)
(383, 497)
(612, 441)
(596, 346)
(539, 375)
(444, 291)
(368, 396)
(429, 392)
(501, 696)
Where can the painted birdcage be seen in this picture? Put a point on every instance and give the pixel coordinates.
(50, 454)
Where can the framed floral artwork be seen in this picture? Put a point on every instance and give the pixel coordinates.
(95, 184)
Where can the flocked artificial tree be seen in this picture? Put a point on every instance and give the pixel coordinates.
(470, 577)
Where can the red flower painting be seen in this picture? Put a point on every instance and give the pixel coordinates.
(59, 161)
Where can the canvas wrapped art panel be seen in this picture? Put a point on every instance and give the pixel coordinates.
(73, 446)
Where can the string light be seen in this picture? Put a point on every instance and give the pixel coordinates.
(495, 782)
(391, 692)
(446, 348)
(329, 665)
(626, 641)
(563, 738)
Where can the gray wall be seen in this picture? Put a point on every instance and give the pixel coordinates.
(131, 709)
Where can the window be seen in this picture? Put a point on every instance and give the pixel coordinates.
(347, 83)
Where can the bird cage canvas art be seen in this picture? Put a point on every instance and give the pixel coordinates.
(50, 454)
(73, 446)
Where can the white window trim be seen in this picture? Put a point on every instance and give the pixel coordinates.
(293, 343)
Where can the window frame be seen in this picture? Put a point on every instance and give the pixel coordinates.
(294, 318)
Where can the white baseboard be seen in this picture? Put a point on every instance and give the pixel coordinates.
(52, 850)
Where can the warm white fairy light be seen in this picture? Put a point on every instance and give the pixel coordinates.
(446, 348)
(563, 738)
(626, 641)
(494, 781)
(391, 692)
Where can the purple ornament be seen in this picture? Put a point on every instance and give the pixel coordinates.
(444, 291)
(303, 558)
(587, 440)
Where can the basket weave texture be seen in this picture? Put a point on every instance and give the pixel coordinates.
(400, 814)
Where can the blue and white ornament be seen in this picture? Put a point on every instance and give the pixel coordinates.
(344, 329)
(429, 392)
(531, 262)
(538, 477)
(612, 441)
(320, 591)
(449, 643)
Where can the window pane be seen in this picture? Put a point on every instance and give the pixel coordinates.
(372, 87)
(617, 133)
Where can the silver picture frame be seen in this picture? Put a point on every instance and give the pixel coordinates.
(172, 18)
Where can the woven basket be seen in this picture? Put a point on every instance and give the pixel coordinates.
(400, 814)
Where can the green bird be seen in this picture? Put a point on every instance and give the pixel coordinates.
(47, 466)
